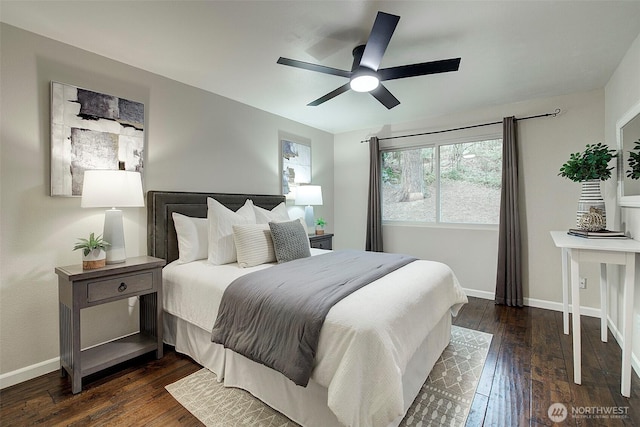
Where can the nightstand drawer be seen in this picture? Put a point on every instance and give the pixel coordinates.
(322, 244)
(321, 241)
(117, 287)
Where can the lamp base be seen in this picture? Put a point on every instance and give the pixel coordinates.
(114, 234)
(309, 218)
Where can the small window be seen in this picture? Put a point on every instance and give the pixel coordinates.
(443, 183)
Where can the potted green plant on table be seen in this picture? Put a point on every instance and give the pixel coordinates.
(94, 253)
(320, 223)
(589, 168)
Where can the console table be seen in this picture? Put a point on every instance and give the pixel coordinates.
(603, 251)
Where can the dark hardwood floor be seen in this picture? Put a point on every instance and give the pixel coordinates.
(529, 367)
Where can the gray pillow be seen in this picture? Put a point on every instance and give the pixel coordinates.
(290, 241)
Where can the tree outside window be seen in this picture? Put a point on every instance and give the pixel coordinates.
(448, 183)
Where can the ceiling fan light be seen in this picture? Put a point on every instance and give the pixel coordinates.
(365, 82)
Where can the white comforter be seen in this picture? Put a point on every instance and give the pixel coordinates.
(367, 338)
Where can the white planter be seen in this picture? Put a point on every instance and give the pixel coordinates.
(590, 198)
(95, 259)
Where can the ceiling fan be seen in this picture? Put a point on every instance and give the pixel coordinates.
(365, 75)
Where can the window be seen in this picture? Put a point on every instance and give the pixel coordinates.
(443, 183)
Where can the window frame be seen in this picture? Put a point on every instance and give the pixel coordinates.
(436, 143)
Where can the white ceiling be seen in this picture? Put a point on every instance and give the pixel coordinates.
(511, 50)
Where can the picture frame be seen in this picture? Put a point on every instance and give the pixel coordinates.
(295, 164)
(92, 130)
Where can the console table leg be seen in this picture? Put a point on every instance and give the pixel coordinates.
(575, 304)
(627, 316)
(604, 305)
(565, 291)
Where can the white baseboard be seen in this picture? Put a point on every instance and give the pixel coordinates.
(635, 362)
(557, 306)
(479, 294)
(29, 372)
(537, 303)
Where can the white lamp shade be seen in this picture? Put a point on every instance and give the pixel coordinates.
(112, 188)
(309, 195)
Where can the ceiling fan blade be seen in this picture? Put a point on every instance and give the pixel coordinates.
(314, 67)
(383, 95)
(330, 95)
(433, 67)
(381, 33)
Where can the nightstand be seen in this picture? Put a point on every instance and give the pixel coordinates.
(78, 289)
(321, 241)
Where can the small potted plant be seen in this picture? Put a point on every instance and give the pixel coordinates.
(320, 223)
(94, 253)
(589, 168)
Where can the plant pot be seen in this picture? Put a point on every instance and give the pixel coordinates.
(319, 231)
(590, 198)
(97, 258)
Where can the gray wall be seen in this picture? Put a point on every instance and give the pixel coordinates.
(196, 141)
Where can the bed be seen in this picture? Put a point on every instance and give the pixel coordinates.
(376, 348)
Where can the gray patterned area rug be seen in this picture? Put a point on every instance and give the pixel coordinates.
(445, 398)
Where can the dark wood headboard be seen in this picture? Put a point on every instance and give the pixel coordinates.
(162, 241)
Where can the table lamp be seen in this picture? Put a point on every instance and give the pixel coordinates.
(309, 195)
(112, 188)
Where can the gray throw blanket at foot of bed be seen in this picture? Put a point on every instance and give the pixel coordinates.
(274, 316)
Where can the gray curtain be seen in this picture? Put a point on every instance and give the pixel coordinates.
(374, 213)
(509, 277)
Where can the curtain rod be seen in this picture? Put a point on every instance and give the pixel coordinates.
(554, 114)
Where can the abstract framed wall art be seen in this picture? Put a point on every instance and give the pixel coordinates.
(92, 130)
(296, 165)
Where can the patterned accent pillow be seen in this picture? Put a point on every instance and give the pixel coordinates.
(290, 241)
(253, 244)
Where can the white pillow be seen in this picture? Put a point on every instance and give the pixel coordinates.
(253, 244)
(264, 216)
(303, 221)
(222, 249)
(193, 237)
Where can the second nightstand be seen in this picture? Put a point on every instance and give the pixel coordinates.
(321, 241)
